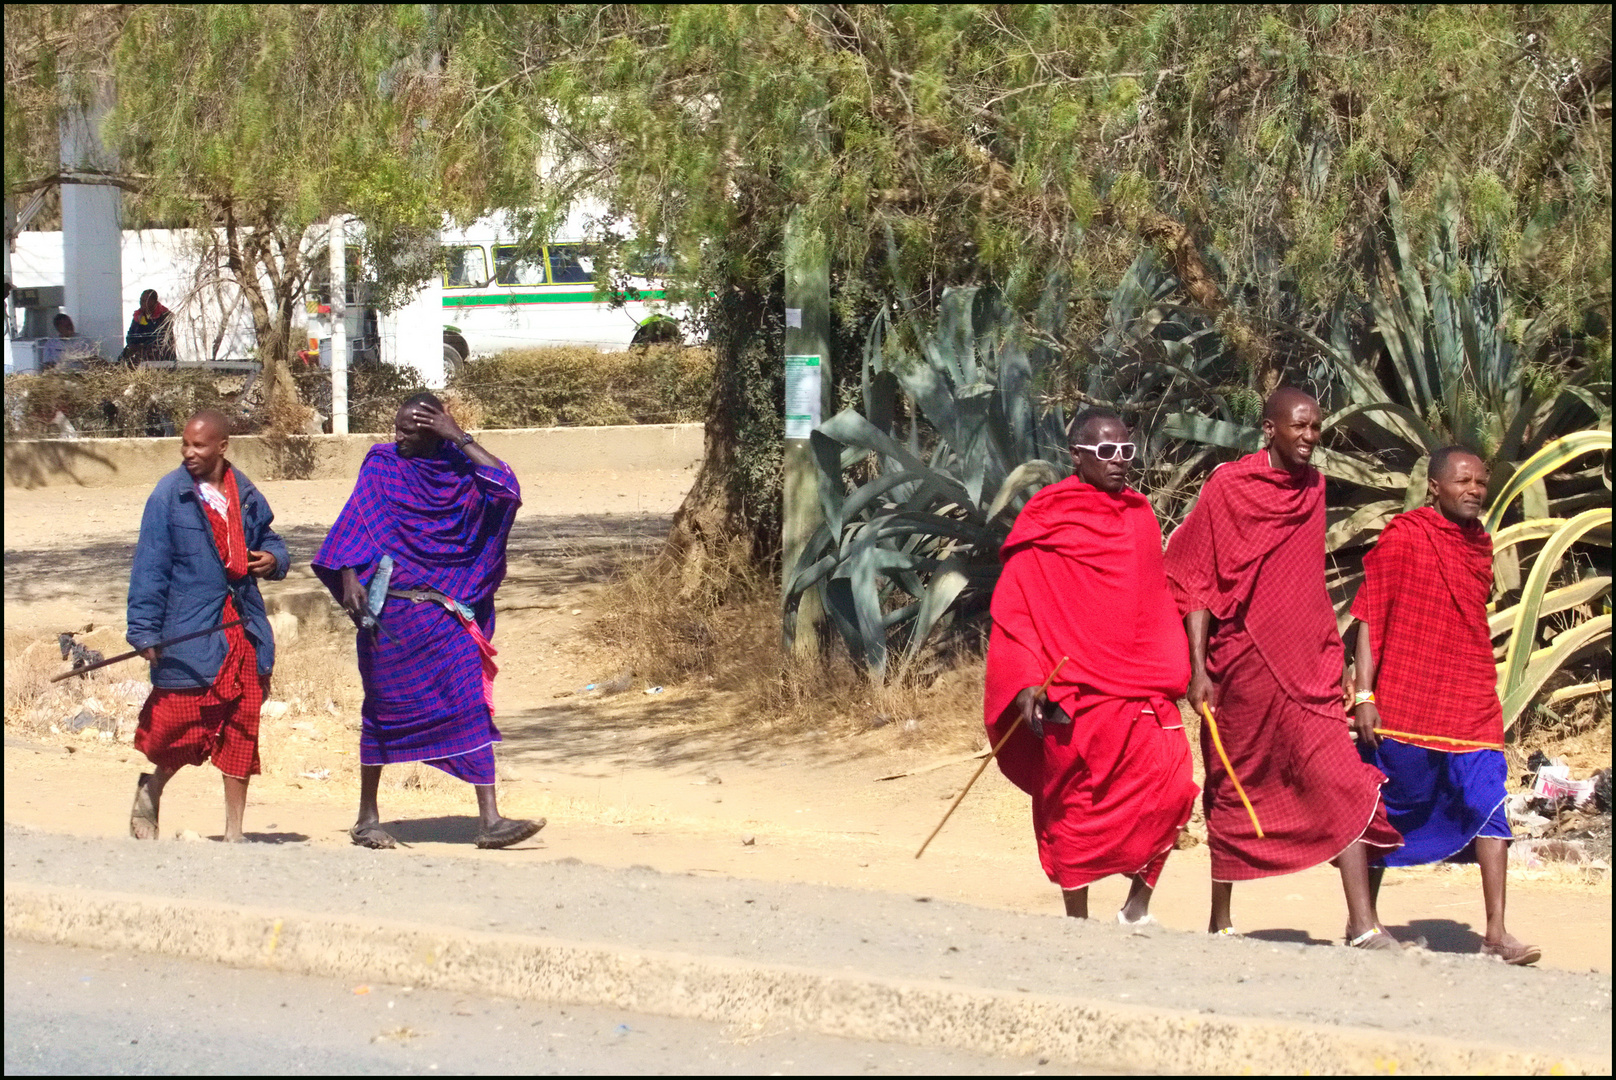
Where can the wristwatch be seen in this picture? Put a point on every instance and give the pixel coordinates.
(464, 441)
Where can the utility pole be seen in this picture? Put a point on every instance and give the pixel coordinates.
(808, 401)
(92, 231)
(339, 326)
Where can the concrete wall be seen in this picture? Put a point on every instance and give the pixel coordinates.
(141, 462)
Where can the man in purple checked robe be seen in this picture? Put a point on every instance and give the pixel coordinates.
(415, 559)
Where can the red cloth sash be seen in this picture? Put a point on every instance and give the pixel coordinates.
(1252, 553)
(1424, 602)
(229, 537)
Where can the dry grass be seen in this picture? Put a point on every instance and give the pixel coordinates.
(720, 629)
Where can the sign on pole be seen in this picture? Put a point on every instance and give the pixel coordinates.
(802, 395)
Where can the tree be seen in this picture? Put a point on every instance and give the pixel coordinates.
(937, 146)
(253, 125)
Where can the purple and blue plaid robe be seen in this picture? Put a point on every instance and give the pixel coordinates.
(444, 520)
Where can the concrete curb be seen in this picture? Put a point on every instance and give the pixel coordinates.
(738, 992)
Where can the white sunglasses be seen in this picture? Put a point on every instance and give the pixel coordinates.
(1108, 451)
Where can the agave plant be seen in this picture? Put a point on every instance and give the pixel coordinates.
(1526, 665)
(921, 537)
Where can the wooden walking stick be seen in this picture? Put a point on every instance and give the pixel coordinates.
(979, 769)
(1212, 726)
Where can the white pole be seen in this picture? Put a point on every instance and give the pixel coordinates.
(92, 235)
(339, 327)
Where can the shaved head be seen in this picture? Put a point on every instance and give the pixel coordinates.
(1282, 401)
(203, 444)
(1443, 461)
(213, 421)
(1078, 429)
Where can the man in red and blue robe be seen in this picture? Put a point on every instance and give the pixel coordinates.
(1426, 710)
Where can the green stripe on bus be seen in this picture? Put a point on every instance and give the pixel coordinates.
(536, 298)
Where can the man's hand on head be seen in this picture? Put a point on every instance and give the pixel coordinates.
(260, 563)
(431, 418)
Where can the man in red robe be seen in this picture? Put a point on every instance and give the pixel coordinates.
(1426, 709)
(1247, 569)
(1102, 753)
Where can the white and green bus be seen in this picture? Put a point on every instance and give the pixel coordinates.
(496, 294)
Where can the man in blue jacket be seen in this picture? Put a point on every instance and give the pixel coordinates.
(204, 539)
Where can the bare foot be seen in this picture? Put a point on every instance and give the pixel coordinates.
(143, 815)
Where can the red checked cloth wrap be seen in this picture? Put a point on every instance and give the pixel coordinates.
(187, 727)
(1252, 554)
(1424, 601)
(1083, 579)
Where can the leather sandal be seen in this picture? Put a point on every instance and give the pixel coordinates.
(1376, 939)
(1511, 951)
(508, 832)
(372, 835)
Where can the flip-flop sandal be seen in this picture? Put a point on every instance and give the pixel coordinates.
(372, 836)
(1374, 938)
(1513, 952)
(1147, 919)
(143, 809)
(513, 833)
(1227, 931)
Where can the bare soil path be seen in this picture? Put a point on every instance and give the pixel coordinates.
(674, 780)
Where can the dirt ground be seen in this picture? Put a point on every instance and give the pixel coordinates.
(672, 779)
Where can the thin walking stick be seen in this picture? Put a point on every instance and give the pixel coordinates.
(1212, 726)
(980, 768)
(132, 653)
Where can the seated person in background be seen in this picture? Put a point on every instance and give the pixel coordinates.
(65, 346)
(150, 335)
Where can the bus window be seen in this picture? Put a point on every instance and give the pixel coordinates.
(571, 264)
(512, 267)
(655, 264)
(467, 269)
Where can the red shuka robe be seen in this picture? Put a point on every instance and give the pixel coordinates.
(1252, 553)
(1083, 579)
(1424, 603)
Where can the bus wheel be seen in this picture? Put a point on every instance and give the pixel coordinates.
(452, 361)
(658, 331)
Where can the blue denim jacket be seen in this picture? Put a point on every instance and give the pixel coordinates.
(178, 584)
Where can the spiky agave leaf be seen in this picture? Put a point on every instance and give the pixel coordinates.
(1523, 631)
(1534, 470)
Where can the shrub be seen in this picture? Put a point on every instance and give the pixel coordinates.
(579, 386)
(114, 401)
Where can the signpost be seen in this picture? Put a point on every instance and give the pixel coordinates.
(807, 402)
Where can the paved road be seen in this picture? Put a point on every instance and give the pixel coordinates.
(98, 1013)
(522, 892)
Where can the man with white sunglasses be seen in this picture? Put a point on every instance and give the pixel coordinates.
(1102, 751)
